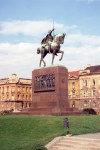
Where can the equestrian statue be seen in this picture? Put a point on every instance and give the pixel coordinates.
(51, 45)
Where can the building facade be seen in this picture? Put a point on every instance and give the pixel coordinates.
(15, 93)
(87, 87)
(73, 90)
(89, 80)
(83, 91)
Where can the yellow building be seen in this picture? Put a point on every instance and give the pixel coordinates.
(73, 90)
(15, 93)
(90, 88)
(84, 89)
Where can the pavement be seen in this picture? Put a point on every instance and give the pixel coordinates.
(77, 142)
(92, 136)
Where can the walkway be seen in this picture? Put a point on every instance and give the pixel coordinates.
(78, 142)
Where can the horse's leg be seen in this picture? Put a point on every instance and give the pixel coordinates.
(44, 63)
(53, 56)
(62, 53)
(40, 63)
(41, 60)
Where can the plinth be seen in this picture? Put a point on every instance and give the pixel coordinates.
(50, 91)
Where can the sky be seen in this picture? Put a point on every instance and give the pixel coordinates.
(24, 23)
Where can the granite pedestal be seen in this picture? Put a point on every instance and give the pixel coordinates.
(50, 91)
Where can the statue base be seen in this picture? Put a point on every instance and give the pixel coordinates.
(49, 91)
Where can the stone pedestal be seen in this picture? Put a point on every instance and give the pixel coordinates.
(50, 91)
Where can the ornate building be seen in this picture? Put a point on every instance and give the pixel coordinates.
(15, 93)
(89, 80)
(84, 88)
(73, 89)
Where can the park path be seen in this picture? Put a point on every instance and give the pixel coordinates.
(79, 142)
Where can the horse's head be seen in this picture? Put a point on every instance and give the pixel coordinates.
(59, 38)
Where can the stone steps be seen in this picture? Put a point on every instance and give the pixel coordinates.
(74, 143)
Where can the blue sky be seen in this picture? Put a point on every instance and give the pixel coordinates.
(23, 24)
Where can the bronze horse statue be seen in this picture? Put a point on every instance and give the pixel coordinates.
(54, 48)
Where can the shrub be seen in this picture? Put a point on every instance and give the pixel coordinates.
(89, 111)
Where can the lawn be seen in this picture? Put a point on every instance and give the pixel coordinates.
(25, 132)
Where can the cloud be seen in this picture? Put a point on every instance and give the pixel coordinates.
(18, 58)
(21, 57)
(80, 39)
(32, 28)
(22, 27)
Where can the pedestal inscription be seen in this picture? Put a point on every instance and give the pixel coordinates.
(44, 83)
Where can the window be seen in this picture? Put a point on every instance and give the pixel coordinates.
(30, 89)
(22, 97)
(12, 97)
(2, 89)
(18, 96)
(93, 82)
(73, 88)
(73, 84)
(23, 89)
(7, 96)
(73, 91)
(13, 89)
(26, 89)
(30, 97)
(26, 97)
(18, 88)
(84, 82)
(7, 88)
(85, 93)
(94, 92)
(12, 93)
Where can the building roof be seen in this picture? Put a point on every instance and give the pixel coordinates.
(93, 69)
(14, 79)
(73, 73)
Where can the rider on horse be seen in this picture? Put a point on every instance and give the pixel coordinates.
(47, 40)
(53, 47)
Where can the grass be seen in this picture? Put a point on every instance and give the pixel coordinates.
(25, 132)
